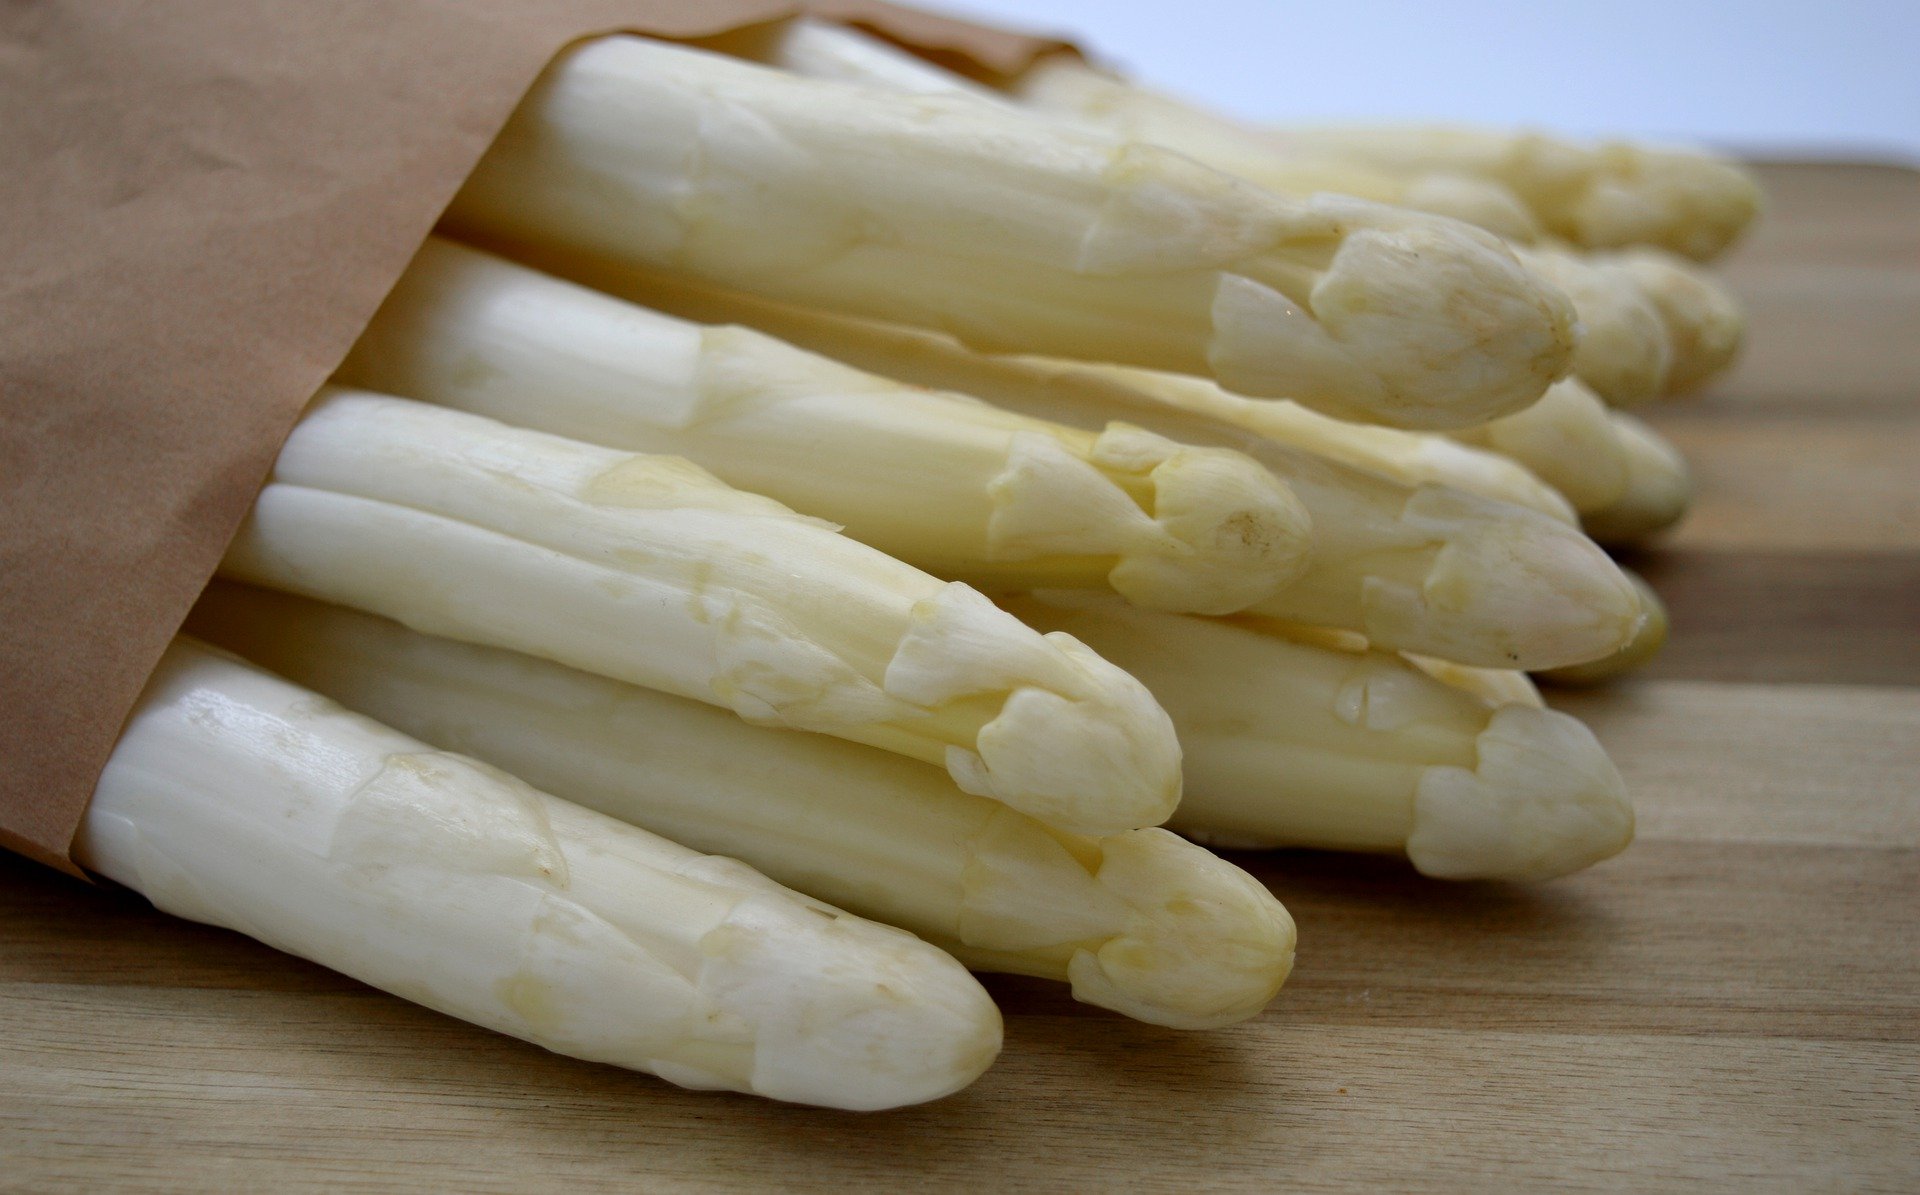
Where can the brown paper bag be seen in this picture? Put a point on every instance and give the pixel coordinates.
(201, 206)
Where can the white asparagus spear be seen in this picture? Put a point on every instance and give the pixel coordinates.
(1014, 233)
(1141, 922)
(1623, 351)
(1068, 89)
(647, 569)
(1705, 323)
(238, 799)
(1626, 482)
(1609, 195)
(964, 491)
(822, 49)
(937, 362)
(1419, 567)
(1651, 323)
(1294, 744)
(1071, 89)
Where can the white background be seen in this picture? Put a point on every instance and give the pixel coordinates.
(1788, 79)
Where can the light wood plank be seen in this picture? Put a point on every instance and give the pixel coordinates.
(1848, 618)
(1826, 765)
(198, 1091)
(1838, 483)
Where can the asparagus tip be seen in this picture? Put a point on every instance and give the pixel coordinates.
(1204, 945)
(1077, 743)
(1440, 323)
(1542, 800)
(1510, 588)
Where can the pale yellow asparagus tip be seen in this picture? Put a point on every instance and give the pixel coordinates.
(1645, 646)
(1541, 800)
(1503, 586)
(1201, 947)
(1704, 321)
(1625, 352)
(1292, 741)
(1691, 203)
(1610, 195)
(1658, 486)
(1421, 320)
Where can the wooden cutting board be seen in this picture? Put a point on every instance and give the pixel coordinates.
(1732, 1004)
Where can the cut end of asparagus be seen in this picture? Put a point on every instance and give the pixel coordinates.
(1645, 646)
(1542, 800)
(1510, 588)
(1204, 944)
(1197, 530)
(1691, 203)
(1658, 489)
(1416, 322)
(1077, 743)
(1704, 321)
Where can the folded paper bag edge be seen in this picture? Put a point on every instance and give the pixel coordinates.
(214, 201)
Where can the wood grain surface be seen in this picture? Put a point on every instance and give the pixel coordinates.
(1733, 1004)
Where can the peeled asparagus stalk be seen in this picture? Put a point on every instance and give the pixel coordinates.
(238, 799)
(1067, 88)
(1141, 922)
(818, 49)
(649, 570)
(1419, 567)
(1014, 233)
(1605, 196)
(1289, 743)
(1626, 482)
(965, 491)
(933, 361)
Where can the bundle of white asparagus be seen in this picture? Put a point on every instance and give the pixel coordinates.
(797, 473)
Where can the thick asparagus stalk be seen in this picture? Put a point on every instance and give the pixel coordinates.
(1015, 233)
(965, 491)
(238, 799)
(820, 49)
(651, 571)
(1141, 922)
(1652, 324)
(1626, 482)
(1290, 743)
(1414, 566)
(1069, 89)
(1610, 195)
